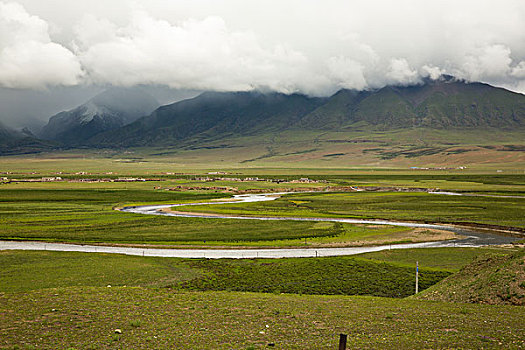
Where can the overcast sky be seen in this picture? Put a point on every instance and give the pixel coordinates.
(313, 47)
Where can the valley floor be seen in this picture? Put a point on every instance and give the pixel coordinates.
(71, 300)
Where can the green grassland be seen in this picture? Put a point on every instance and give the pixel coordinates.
(149, 301)
(83, 213)
(492, 279)
(384, 205)
(63, 269)
(333, 275)
(23, 271)
(86, 318)
(62, 300)
(446, 259)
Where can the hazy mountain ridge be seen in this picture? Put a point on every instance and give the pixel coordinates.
(213, 114)
(440, 104)
(443, 104)
(109, 110)
(15, 142)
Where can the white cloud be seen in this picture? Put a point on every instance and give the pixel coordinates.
(284, 45)
(432, 71)
(194, 54)
(519, 70)
(490, 62)
(400, 72)
(28, 57)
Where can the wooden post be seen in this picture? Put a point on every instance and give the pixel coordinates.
(417, 277)
(342, 341)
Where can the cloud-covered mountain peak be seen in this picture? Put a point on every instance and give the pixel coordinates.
(108, 110)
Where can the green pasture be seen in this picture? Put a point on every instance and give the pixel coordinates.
(66, 300)
(87, 317)
(387, 273)
(83, 212)
(384, 205)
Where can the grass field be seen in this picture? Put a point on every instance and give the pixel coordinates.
(387, 273)
(490, 279)
(477, 149)
(83, 212)
(384, 205)
(71, 306)
(67, 300)
(339, 275)
(86, 318)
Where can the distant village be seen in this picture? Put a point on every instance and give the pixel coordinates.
(58, 178)
(438, 168)
(5, 179)
(224, 188)
(303, 180)
(231, 189)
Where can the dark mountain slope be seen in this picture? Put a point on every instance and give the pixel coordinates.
(444, 104)
(14, 142)
(334, 113)
(211, 115)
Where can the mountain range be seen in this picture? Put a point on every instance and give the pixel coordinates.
(120, 119)
(441, 104)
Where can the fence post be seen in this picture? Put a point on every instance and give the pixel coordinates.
(417, 277)
(342, 341)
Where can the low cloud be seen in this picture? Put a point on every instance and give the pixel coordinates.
(28, 57)
(287, 46)
(400, 72)
(193, 54)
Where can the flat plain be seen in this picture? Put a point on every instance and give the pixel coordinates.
(66, 300)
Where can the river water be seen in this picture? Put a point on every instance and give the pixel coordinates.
(472, 238)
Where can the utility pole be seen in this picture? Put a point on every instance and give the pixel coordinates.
(417, 277)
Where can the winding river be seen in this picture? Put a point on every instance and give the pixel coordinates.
(472, 238)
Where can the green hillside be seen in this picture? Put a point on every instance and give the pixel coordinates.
(439, 123)
(495, 279)
(446, 103)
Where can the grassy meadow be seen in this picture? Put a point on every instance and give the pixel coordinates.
(384, 205)
(68, 300)
(79, 299)
(354, 147)
(83, 213)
